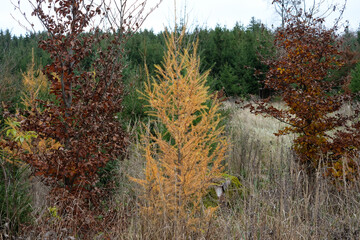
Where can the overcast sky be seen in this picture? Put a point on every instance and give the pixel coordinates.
(204, 13)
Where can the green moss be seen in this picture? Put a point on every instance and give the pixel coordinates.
(234, 191)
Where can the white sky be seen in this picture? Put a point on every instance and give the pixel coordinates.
(202, 13)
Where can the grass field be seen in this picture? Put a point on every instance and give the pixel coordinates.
(276, 199)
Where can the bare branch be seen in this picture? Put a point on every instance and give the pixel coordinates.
(302, 8)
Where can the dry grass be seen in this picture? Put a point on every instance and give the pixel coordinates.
(282, 202)
(278, 200)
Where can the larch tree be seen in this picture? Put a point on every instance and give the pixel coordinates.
(182, 161)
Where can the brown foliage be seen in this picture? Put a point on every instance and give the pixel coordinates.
(77, 131)
(304, 76)
(82, 117)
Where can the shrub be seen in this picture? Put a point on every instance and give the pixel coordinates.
(15, 198)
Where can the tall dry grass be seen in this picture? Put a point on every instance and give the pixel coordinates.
(283, 203)
(279, 201)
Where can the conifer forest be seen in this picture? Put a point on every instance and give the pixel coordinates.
(112, 131)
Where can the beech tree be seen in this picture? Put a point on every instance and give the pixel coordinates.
(303, 75)
(82, 114)
(77, 131)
